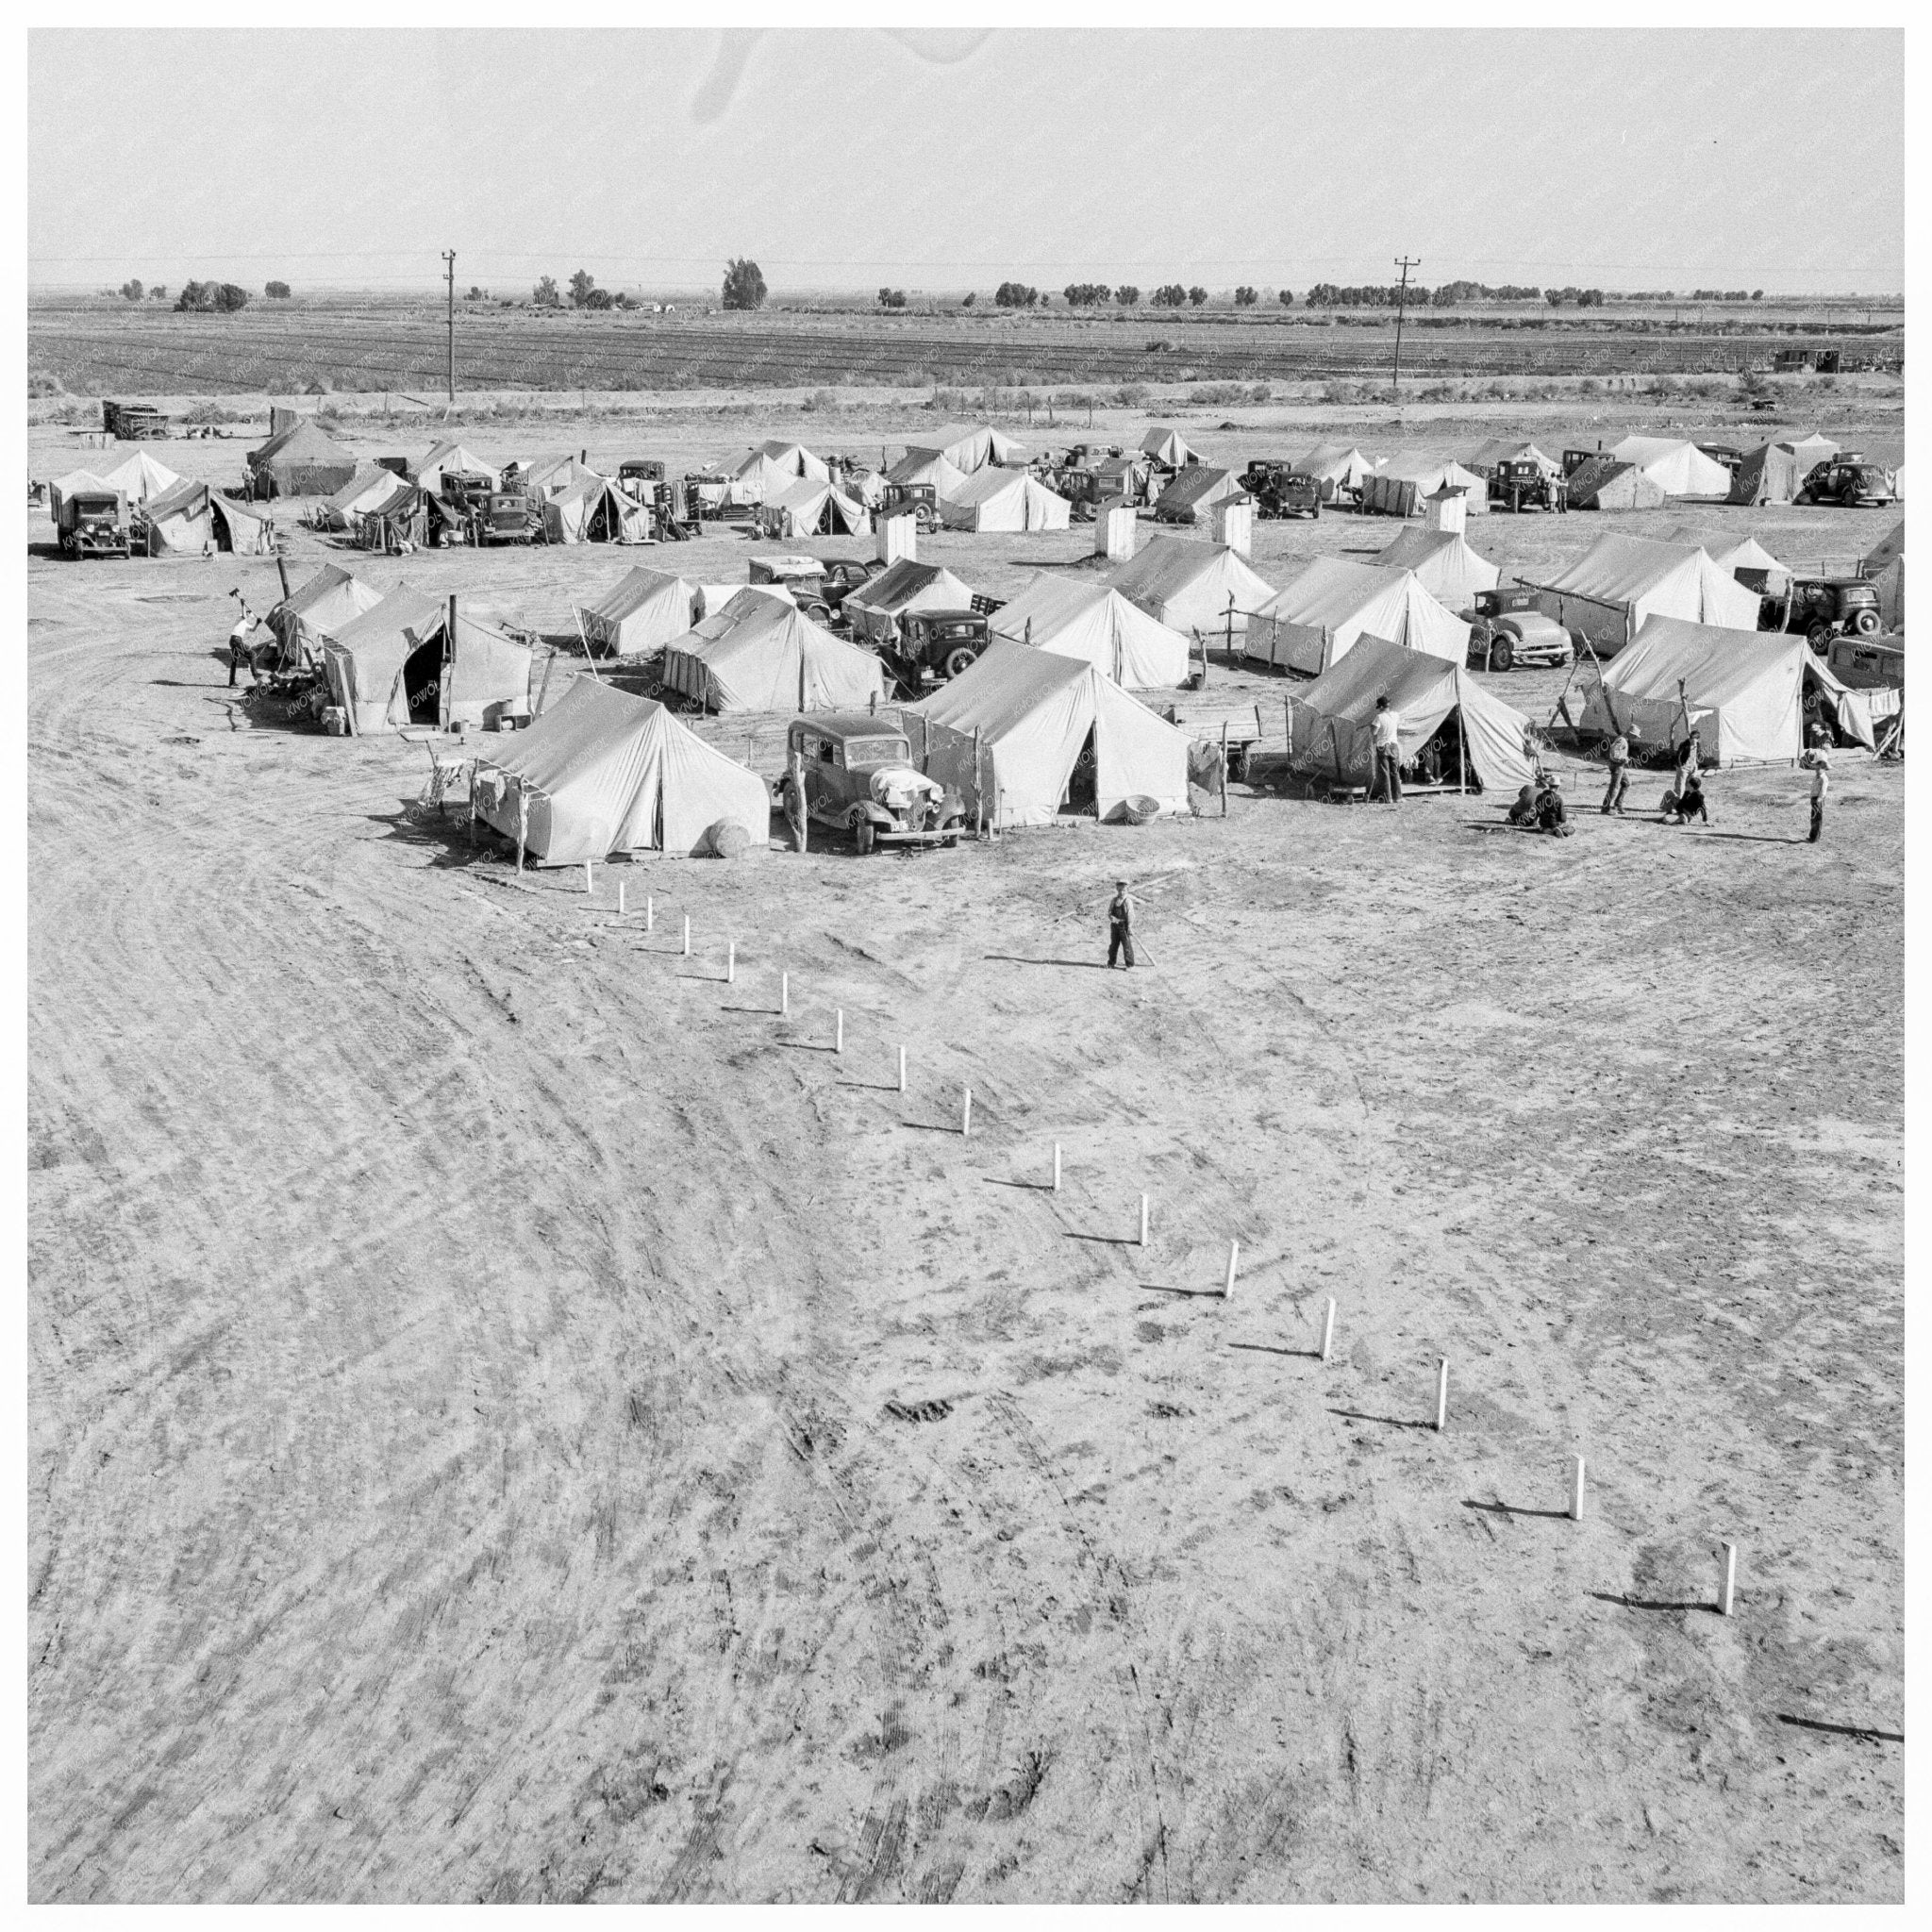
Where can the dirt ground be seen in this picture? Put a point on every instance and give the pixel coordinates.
(514, 1418)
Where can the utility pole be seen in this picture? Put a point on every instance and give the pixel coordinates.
(1404, 263)
(449, 269)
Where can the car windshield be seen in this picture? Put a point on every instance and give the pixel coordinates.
(877, 751)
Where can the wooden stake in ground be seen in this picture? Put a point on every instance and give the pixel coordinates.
(620, 898)
(1441, 1394)
(966, 1115)
(1143, 1220)
(1055, 1167)
(650, 912)
(1234, 1255)
(590, 880)
(784, 995)
(730, 962)
(1329, 1329)
(1576, 1492)
(838, 1032)
(686, 935)
(1727, 1586)
(902, 1070)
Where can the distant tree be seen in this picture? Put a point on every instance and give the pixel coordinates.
(228, 298)
(1197, 296)
(969, 298)
(1086, 294)
(131, 290)
(203, 298)
(193, 297)
(623, 301)
(544, 294)
(745, 285)
(276, 292)
(1287, 298)
(1126, 294)
(1015, 296)
(1244, 298)
(1758, 295)
(891, 298)
(582, 285)
(476, 294)
(600, 298)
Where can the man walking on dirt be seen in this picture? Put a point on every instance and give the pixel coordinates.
(1119, 925)
(1388, 730)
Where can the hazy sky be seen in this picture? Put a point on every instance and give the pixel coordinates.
(950, 160)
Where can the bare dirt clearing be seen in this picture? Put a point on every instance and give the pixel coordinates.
(512, 1417)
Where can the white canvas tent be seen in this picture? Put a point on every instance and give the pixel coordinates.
(1334, 718)
(1401, 488)
(809, 509)
(1191, 493)
(451, 457)
(369, 490)
(642, 611)
(602, 772)
(927, 466)
(760, 654)
(364, 658)
(1886, 567)
(1742, 691)
(1498, 450)
(1732, 550)
(877, 608)
(139, 478)
(400, 664)
(319, 608)
(1443, 564)
(1318, 617)
(771, 468)
(1095, 623)
(997, 499)
(967, 447)
(595, 510)
(191, 517)
(1007, 735)
(1336, 466)
(1620, 581)
(1676, 467)
(1775, 471)
(1167, 446)
(712, 598)
(1188, 586)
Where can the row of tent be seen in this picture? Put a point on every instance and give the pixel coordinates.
(178, 516)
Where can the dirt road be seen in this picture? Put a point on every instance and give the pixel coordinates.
(514, 1418)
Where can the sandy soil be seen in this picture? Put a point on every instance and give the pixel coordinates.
(514, 1418)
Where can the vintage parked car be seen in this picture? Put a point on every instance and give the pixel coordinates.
(1280, 490)
(859, 776)
(841, 575)
(1826, 608)
(1510, 627)
(1520, 483)
(935, 645)
(1850, 480)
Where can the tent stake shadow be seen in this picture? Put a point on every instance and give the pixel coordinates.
(1512, 1510)
(1386, 1422)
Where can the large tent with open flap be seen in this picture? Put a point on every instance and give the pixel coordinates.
(759, 654)
(1169, 446)
(1608, 592)
(1317, 618)
(1741, 692)
(595, 510)
(1189, 586)
(1676, 467)
(1444, 565)
(644, 609)
(878, 606)
(369, 490)
(1886, 567)
(812, 508)
(400, 663)
(1095, 623)
(139, 478)
(1191, 493)
(1007, 736)
(450, 458)
(1401, 487)
(968, 446)
(301, 461)
(1336, 466)
(603, 771)
(318, 608)
(1334, 719)
(191, 517)
(1775, 471)
(998, 499)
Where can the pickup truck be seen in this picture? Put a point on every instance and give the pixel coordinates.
(1510, 627)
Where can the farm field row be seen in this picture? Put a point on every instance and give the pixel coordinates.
(91, 353)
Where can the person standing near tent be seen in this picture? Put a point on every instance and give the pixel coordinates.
(1119, 925)
(1619, 755)
(1388, 730)
(793, 789)
(239, 653)
(1689, 763)
(1821, 789)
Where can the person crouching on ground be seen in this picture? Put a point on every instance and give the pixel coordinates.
(1119, 925)
(1388, 730)
(1523, 812)
(1550, 814)
(1686, 802)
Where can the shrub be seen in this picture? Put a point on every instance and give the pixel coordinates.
(891, 298)
(1131, 395)
(158, 293)
(583, 284)
(967, 300)
(1287, 298)
(1197, 296)
(544, 294)
(131, 290)
(40, 383)
(1244, 298)
(745, 285)
(204, 298)
(276, 292)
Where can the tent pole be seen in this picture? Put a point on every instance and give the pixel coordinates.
(978, 794)
(1224, 768)
(449, 660)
